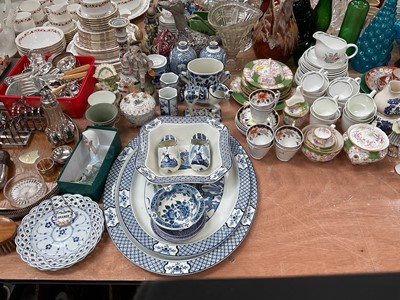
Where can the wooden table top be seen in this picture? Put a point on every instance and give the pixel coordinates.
(311, 219)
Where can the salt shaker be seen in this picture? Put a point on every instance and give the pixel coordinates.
(59, 129)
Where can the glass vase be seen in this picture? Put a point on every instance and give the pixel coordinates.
(322, 15)
(233, 21)
(353, 22)
(376, 41)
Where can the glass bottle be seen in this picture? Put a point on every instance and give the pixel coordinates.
(59, 129)
(302, 12)
(322, 15)
(353, 22)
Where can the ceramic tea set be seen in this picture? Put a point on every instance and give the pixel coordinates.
(329, 53)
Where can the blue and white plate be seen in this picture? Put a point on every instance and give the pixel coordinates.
(119, 218)
(44, 245)
(183, 129)
(230, 197)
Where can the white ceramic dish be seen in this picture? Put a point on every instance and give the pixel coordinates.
(39, 37)
(46, 246)
(183, 129)
(119, 217)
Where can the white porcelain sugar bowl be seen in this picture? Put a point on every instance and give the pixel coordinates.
(365, 143)
(138, 108)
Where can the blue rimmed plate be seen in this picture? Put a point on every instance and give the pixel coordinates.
(230, 197)
(118, 225)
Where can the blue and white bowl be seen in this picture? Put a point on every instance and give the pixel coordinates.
(176, 207)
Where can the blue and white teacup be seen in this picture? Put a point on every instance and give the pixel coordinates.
(169, 160)
(204, 72)
(199, 155)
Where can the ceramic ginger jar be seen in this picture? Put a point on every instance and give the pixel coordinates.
(388, 99)
(138, 108)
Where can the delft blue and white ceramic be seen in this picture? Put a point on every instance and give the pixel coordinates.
(169, 159)
(168, 98)
(160, 65)
(177, 207)
(124, 218)
(184, 128)
(180, 56)
(169, 79)
(179, 236)
(45, 245)
(199, 155)
(214, 51)
(204, 72)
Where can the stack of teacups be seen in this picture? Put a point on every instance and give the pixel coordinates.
(321, 142)
(343, 88)
(360, 108)
(59, 17)
(102, 114)
(262, 103)
(314, 84)
(325, 110)
(34, 7)
(288, 140)
(23, 21)
(260, 139)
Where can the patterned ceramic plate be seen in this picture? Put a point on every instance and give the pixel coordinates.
(183, 129)
(230, 199)
(374, 77)
(119, 221)
(368, 137)
(268, 74)
(45, 245)
(138, 11)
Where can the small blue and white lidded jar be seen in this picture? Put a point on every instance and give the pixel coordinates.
(214, 51)
(180, 56)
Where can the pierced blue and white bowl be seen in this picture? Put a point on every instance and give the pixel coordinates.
(177, 207)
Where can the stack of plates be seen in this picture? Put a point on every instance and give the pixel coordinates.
(96, 38)
(166, 24)
(46, 39)
(46, 246)
(69, 34)
(230, 206)
(243, 119)
(263, 74)
(97, 23)
(310, 62)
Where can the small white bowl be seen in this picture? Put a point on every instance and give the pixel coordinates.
(101, 97)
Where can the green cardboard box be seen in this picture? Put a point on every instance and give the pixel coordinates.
(69, 179)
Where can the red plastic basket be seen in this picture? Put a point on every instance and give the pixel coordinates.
(74, 107)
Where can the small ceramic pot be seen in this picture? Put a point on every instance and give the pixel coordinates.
(138, 108)
(365, 143)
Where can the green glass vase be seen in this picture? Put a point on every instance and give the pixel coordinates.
(322, 15)
(353, 22)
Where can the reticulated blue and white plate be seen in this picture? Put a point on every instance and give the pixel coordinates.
(44, 245)
(183, 128)
(151, 261)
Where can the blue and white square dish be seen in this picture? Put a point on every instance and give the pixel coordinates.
(183, 128)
